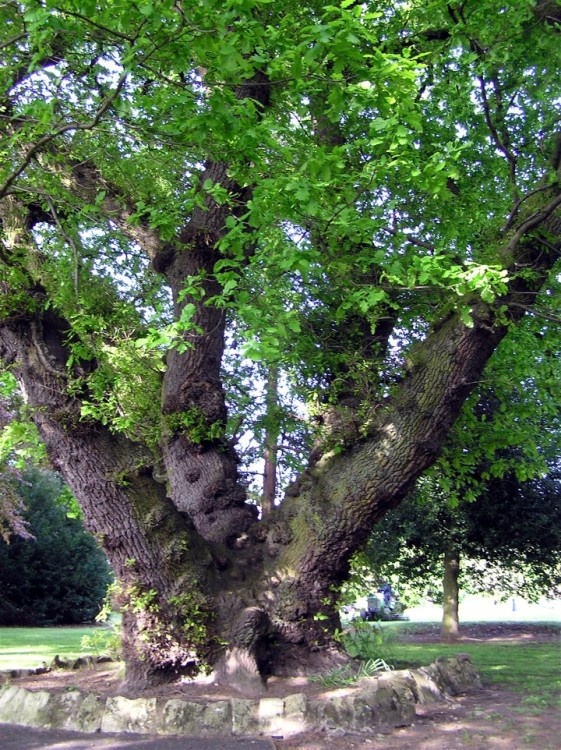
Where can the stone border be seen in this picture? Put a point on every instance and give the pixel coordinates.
(373, 703)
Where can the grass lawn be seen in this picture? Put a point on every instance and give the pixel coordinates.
(31, 647)
(533, 669)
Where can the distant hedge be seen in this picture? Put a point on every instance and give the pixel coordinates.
(61, 576)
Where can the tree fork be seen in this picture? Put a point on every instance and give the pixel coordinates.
(201, 467)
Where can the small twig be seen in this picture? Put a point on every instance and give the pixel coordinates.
(538, 313)
(533, 221)
(499, 143)
(13, 40)
(519, 202)
(411, 240)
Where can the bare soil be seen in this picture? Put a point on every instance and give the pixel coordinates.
(490, 719)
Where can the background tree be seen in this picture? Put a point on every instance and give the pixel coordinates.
(365, 196)
(58, 577)
(505, 542)
(507, 433)
(491, 501)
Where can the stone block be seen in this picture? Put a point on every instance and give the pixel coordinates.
(363, 713)
(73, 711)
(296, 714)
(217, 718)
(245, 716)
(379, 702)
(88, 715)
(271, 715)
(25, 707)
(458, 673)
(70, 710)
(181, 717)
(334, 711)
(391, 697)
(124, 715)
(429, 687)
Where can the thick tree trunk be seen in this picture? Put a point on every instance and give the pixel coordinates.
(257, 591)
(201, 467)
(450, 595)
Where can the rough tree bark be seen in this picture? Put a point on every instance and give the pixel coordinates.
(190, 584)
(270, 453)
(450, 595)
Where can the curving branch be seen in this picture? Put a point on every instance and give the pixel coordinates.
(48, 138)
(498, 130)
(537, 219)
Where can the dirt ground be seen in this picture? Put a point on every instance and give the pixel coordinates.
(490, 719)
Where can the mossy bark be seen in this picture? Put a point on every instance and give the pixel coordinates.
(257, 597)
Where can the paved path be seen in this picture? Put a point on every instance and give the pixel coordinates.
(14, 737)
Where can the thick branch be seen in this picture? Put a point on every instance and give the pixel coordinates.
(201, 466)
(330, 511)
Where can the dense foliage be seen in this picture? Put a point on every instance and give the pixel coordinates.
(508, 540)
(59, 576)
(393, 218)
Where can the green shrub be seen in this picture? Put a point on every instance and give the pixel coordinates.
(366, 641)
(61, 576)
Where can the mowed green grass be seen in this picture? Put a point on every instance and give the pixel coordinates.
(532, 669)
(33, 647)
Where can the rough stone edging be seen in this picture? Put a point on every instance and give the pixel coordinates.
(385, 701)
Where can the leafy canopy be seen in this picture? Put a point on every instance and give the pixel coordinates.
(507, 540)
(398, 142)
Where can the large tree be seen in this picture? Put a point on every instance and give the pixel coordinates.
(364, 197)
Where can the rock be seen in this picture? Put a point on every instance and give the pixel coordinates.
(126, 715)
(42, 709)
(396, 704)
(59, 663)
(245, 716)
(74, 711)
(82, 661)
(182, 717)
(295, 714)
(337, 711)
(88, 715)
(217, 718)
(271, 715)
(20, 706)
(458, 673)
(429, 686)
